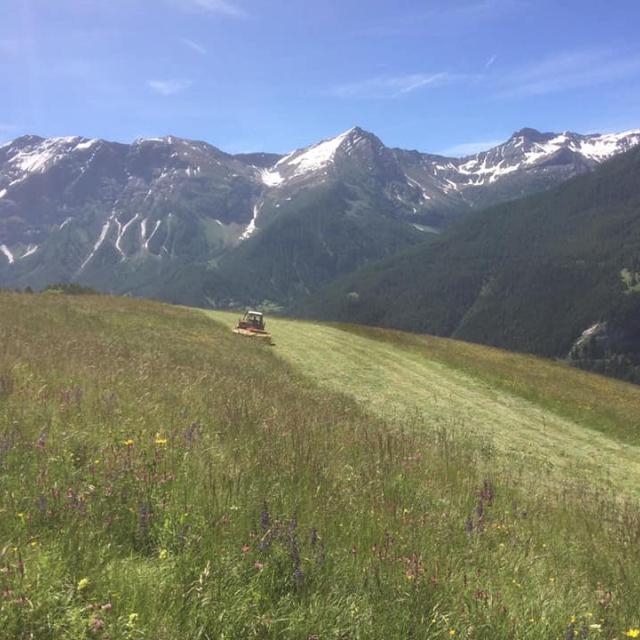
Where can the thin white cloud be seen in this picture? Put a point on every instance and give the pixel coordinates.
(223, 7)
(169, 87)
(388, 86)
(490, 62)
(194, 46)
(470, 148)
(569, 70)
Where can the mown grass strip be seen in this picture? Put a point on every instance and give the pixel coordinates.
(488, 393)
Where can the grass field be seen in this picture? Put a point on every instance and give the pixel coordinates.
(541, 414)
(162, 478)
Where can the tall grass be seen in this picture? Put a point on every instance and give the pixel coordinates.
(161, 478)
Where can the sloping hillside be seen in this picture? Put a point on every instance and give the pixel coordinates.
(163, 478)
(532, 410)
(530, 275)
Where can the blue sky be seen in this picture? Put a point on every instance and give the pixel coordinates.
(273, 75)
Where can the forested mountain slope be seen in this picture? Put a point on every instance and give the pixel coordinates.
(555, 274)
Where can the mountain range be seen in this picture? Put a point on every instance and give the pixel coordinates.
(186, 222)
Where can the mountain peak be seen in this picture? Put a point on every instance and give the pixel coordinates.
(533, 135)
(358, 133)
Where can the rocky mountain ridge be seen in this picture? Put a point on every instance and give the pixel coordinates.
(90, 210)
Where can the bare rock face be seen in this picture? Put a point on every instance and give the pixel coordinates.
(610, 348)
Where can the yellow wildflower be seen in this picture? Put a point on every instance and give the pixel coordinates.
(163, 555)
(452, 632)
(128, 442)
(632, 633)
(133, 618)
(83, 584)
(160, 440)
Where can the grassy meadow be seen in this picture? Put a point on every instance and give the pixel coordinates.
(162, 478)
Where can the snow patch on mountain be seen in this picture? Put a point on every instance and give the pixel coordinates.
(315, 157)
(415, 183)
(271, 177)
(251, 227)
(99, 241)
(605, 146)
(31, 249)
(522, 153)
(153, 233)
(40, 157)
(87, 144)
(122, 230)
(5, 250)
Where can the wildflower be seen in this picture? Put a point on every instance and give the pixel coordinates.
(595, 626)
(83, 584)
(160, 440)
(452, 632)
(163, 555)
(133, 618)
(128, 442)
(632, 633)
(96, 624)
(246, 548)
(259, 566)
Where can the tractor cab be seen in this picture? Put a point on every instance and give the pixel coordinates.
(252, 320)
(252, 325)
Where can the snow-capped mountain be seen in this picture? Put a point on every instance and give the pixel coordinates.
(124, 216)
